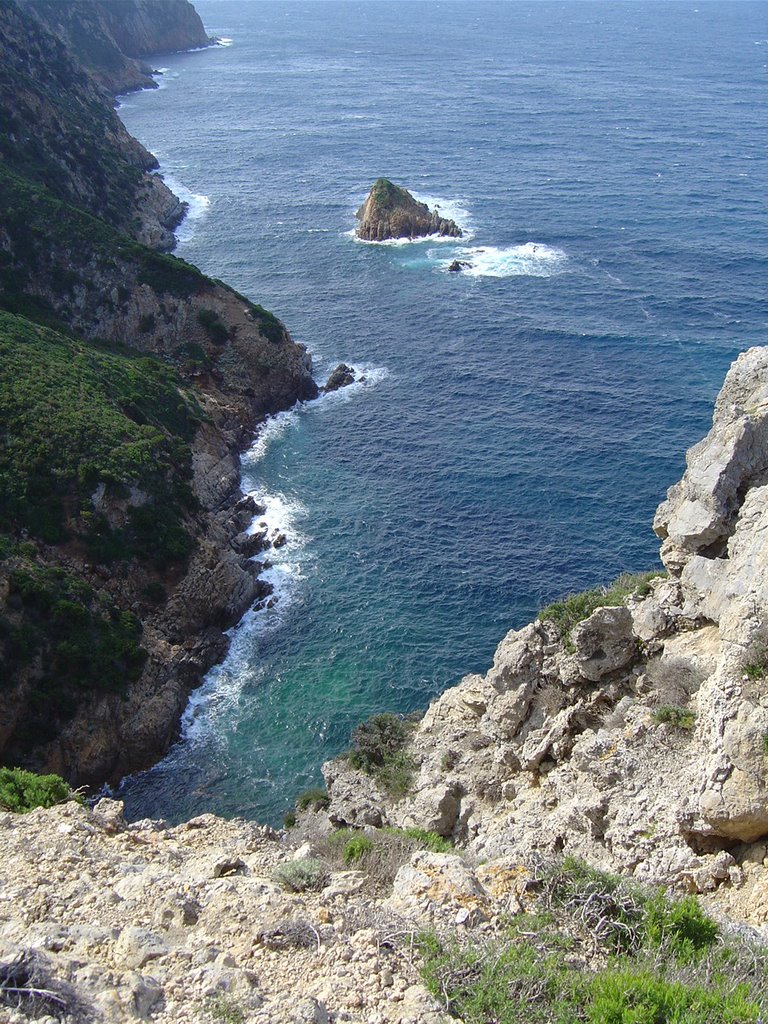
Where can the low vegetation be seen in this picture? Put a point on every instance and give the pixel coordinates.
(757, 665)
(78, 418)
(599, 950)
(317, 799)
(379, 852)
(675, 717)
(22, 791)
(301, 875)
(378, 750)
(570, 610)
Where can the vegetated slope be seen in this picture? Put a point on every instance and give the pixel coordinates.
(58, 128)
(128, 383)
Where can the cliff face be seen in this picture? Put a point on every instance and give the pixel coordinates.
(107, 37)
(59, 131)
(392, 212)
(128, 384)
(635, 738)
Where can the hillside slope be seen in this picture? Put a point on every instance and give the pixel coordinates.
(128, 385)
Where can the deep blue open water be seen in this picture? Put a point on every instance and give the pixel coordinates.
(520, 423)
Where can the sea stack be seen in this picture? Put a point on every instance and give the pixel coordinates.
(391, 212)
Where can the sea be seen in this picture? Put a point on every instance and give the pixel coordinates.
(515, 425)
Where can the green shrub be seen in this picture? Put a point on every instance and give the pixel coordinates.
(677, 718)
(213, 325)
(300, 875)
(356, 848)
(570, 610)
(428, 840)
(642, 958)
(500, 983)
(22, 791)
(396, 776)
(757, 666)
(636, 996)
(315, 798)
(680, 926)
(289, 819)
(377, 749)
(607, 906)
(375, 741)
(226, 1010)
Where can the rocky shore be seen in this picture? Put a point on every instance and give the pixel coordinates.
(632, 733)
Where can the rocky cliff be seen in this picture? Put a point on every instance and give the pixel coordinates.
(129, 382)
(59, 131)
(392, 212)
(107, 37)
(637, 737)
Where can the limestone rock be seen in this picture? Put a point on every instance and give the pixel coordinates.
(356, 798)
(700, 512)
(391, 212)
(437, 886)
(604, 642)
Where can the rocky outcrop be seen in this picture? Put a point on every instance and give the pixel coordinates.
(391, 212)
(341, 377)
(637, 741)
(144, 922)
(108, 37)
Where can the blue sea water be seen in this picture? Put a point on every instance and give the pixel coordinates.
(519, 423)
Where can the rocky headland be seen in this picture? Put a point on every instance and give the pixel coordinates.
(391, 212)
(129, 384)
(109, 39)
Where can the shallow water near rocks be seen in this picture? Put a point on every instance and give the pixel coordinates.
(519, 422)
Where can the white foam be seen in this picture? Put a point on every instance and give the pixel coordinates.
(533, 259)
(366, 377)
(198, 206)
(223, 685)
(224, 41)
(270, 431)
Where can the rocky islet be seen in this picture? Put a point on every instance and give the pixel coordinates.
(391, 212)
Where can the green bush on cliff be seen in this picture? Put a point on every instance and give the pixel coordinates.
(677, 718)
(570, 610)
(377, 749)
(78, 640)
(22, 791)
(78, 416)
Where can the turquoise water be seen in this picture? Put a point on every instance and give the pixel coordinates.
(518, 425)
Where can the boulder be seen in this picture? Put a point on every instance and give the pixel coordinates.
(391, 212)
(437, 886)
(341, 377)
(604, 642)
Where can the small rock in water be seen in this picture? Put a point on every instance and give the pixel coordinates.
(341, 377)
(458, 265)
